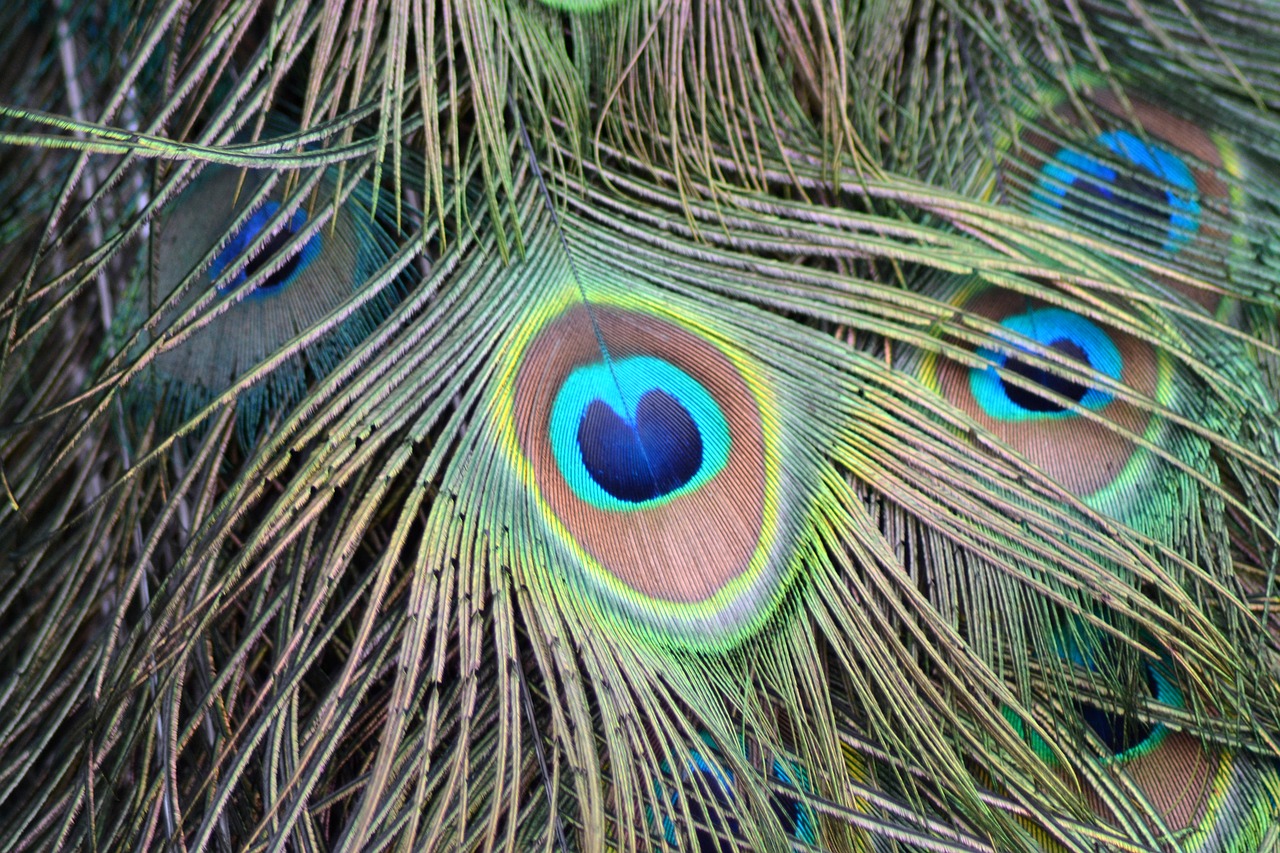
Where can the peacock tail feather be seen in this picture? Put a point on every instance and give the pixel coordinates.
(307, 271)
(628, 426)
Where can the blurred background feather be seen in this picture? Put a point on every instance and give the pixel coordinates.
(639, 425)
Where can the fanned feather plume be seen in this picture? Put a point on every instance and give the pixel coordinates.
(640, 425)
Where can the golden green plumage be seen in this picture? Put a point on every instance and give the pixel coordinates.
(728, 415)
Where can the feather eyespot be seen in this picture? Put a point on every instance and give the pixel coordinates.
(1123, 736)
(1136, 175)
(646, 452)
(1142, 190)
(1077, 399)
(1021, 396)
(1194, 787)
(1063, 332)
(1126, 737)
(311, 269)
(1197, 790)
(248, 234)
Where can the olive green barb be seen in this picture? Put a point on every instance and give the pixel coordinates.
(651, 425)
(582, 6)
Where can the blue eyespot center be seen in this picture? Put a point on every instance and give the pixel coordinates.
(1161, 211)
(638, 461)
(1121, 733)
(248, 235)
(1057, 330)
(1030, 400)
(1118, 731)
(1124, 736)
(636, 432)
(796, 818)
(716, 784)
(712, 784)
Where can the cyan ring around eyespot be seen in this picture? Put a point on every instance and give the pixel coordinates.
(1068, 166)
(621, 384)
(1046, 326)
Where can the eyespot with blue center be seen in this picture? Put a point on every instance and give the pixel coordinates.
(1125, 737)
(249, 234)
(797, 819)
(1162, 211)
(713, 783)
(1056, 329)
(636, 432)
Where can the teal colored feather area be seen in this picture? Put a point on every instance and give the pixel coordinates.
(712, 782)
(798, 819)
(714, 789)
(1123, 736)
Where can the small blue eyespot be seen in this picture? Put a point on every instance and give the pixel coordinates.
(1083, 187)
(248, 235)
(1123, 736)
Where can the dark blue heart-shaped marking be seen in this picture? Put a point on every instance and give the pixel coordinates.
(1033, 402)
(638, 462)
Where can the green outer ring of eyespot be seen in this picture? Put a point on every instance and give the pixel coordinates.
(744, 604)
(1115, 493)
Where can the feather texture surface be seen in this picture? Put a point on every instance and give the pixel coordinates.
(634, 425)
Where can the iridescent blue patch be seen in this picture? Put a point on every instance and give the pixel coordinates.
(1057, 329)
(248, 234)
(797, 819)
(1086, 188)
(635, 432)
(714, 783)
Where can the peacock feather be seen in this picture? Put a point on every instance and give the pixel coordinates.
(506, 425)
(306, 272)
